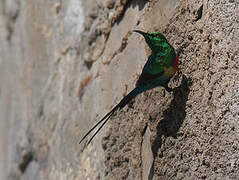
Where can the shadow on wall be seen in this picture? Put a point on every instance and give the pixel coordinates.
(140, 3)
(173, 117)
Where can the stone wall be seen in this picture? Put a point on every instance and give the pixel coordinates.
(64, 64)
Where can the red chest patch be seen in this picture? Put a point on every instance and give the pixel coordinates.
(175, 63)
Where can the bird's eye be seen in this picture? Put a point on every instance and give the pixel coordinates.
(154, 35)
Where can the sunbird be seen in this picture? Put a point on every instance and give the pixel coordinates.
(161, 66)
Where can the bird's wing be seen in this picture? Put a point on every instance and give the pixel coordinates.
(146, 78)
(156, 64)
(152, 70)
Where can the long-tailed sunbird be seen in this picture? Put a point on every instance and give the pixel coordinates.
(162, 64)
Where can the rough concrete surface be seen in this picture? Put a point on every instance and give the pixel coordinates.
(64, 64)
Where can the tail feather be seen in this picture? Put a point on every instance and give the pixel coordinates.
(101, 126)
(130, 96)
(105, 119)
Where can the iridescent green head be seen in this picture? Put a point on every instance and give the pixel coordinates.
(154, 39)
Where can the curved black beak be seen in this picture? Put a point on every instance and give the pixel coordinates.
(142, 33)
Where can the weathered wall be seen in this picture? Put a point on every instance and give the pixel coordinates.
(64, 64)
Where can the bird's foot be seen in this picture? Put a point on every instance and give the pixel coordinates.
(168, 89)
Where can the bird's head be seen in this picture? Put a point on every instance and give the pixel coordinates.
(154, 39)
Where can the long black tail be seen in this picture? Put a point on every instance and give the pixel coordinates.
(121, 104)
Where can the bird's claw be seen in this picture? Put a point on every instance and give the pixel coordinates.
(168, 89)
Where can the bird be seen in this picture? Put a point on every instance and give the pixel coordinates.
(160, 67)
